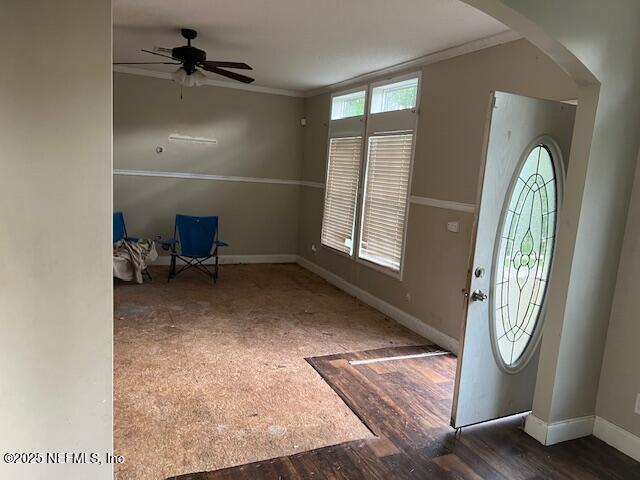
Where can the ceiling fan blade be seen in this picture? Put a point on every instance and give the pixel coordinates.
(226, 73)
(146, 63)
(239, 65)
(159, 54)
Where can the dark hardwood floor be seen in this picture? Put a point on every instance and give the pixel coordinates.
(406, 404)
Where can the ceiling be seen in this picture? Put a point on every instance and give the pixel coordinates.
(299, 44)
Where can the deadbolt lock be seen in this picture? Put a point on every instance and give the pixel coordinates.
(478, 296)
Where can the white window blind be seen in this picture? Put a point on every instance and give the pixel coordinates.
(385, 199)
(343, 175)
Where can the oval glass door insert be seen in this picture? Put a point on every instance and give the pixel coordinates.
(523, 257)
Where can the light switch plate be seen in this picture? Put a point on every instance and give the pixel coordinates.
(638, 404)
(453, 226)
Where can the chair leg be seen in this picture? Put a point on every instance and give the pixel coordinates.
(172, 268)
(215, 272)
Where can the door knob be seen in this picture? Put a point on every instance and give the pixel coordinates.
(478, 296)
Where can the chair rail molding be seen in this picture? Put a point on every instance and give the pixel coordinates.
(219, 178)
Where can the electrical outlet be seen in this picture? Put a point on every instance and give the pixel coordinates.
(313, 248)
(453, 226)
(638, 404)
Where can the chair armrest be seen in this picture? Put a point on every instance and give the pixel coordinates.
(220, 243)
(168, 244)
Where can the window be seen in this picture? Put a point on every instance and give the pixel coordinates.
(365, 215)
(524, 253)
(395, 96)
(343, 177)
(385, 199)
(349, 105)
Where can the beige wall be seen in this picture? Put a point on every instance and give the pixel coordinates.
(454, 103)
(620, 378)
(55, 252)
(259, 135)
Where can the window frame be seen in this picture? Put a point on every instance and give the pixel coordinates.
(343, 93)
(397, 79)
(366, 133)
(343, 130)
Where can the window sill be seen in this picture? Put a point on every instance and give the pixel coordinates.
(386, 270)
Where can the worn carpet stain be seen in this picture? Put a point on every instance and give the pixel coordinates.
(207, 377)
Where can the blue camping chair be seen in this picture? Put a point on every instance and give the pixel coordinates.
(119, 228)
(198, 241)
(120, 233)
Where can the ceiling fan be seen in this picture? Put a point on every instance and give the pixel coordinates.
(191, 60)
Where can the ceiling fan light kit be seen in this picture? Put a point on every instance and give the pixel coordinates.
(192, 60)
(185, 79)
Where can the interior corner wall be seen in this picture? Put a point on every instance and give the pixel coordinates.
(592, 36)
(55, 248)
(259, 139)
(619, 386)
(451, 131)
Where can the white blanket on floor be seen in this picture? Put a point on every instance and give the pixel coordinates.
(130, 258)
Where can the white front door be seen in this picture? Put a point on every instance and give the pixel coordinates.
(527, 150)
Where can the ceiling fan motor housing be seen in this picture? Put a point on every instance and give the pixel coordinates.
(189, 56)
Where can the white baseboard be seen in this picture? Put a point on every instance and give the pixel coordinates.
(556, 432)
(164, 260)
(617, 437)
(409, 321)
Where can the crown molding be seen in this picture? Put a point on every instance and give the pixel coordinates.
(446, 54)
(214, 83)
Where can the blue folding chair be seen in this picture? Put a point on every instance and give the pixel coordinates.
(119, 228)
(198, 241)
(120, 233)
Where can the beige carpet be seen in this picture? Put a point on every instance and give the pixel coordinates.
(209, 376)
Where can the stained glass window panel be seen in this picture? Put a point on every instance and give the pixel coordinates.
(524, 254)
